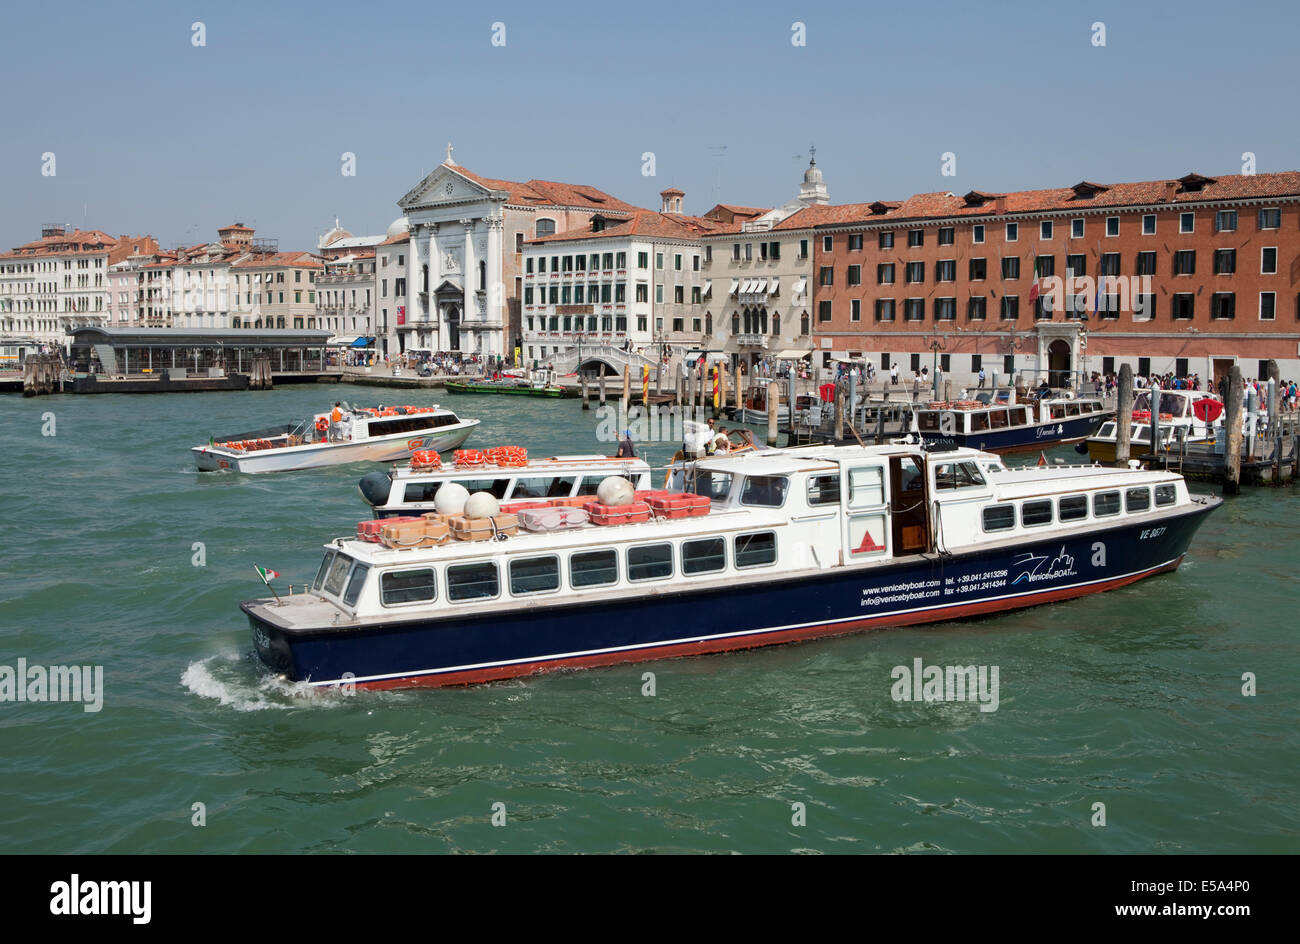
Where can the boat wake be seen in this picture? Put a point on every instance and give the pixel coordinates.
(229, 680)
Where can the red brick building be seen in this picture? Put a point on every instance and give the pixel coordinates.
(1186, 276)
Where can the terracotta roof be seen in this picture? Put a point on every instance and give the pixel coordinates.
(548, 192)
(1087, 195)
(644, 223)
(240, 227)
(279, 259)
(398, 238)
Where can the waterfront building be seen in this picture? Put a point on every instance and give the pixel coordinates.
(390, 274)
(275, 289)
(60, 281)
(1184, 276)
(633, 283)
(760, 264)
(464, 267)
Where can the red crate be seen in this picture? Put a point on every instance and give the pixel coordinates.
(369, 530)
(618, 514)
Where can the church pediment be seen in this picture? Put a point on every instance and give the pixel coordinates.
(450, 285)
(445, 185)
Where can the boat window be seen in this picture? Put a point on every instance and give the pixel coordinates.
(409, 424)
(1072, 507)
(999, 517)
(1057, 411)
(1137, 499)
(1166, 495)
(407, 586)
(543, 487)
(590, 484)
(534, 574)
(1072, 409)
(650, 562)
(716, 485)
(767, 491)
(1105, 503)
(866, 487)
(496, 486)
(1020, 416)
(477, 581)
(427, 491)
(704, 557)
(339, 570)
(997, 419)
(957, 475)
(593, 569)
(1107, 431)
(324, 570)
(979, 420)
(1142, 402)
(927, 421)
(355, 583)
(824, 489)
(1036, 512)
(755, 550)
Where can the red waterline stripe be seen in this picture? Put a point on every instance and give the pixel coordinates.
(754, 640)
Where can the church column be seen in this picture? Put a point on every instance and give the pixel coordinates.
(471, 280)
(412, 300)
(435, 277)
(495, 226)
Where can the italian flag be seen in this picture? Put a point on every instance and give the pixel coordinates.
(1033, 290)
(265, 573)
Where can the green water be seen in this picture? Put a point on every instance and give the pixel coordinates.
(1130, 698)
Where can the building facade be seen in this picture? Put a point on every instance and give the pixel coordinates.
(1185, 276)
(60, 281)
(465, 260)
(633, 282)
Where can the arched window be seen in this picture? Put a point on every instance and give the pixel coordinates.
(237, 323)
(735, 323)
(545, 227)
(279, 322)
(762, 321)
(776, 325)
(425, 276)
(708, 324)
(482, 276)
(745, 317)
(803, 324)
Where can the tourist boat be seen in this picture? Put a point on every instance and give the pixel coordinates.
(1033, 423)
(791, 545)
(365, 434)
(1178, 422)
(541, 385)
(409, 490)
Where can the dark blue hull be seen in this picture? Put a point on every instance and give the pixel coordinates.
(1020, 438)
(522, 640)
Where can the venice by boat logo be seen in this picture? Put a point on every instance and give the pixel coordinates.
(1032, 568)
(920, 682)
(83, 683)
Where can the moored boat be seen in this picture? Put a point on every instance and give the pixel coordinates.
(362, 434)
(794, 545)
(1034, 423)
(1177, 421)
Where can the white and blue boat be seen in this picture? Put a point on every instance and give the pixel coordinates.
(795, 545)
(1000, 427)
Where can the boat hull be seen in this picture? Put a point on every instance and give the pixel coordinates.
(315, 455)
(499, 645)
(1022, 438)
(1103, 450)
(553, 393)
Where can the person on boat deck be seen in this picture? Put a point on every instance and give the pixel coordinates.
(722, 442)
(1044, 390)
(625, 448)
(710, 444)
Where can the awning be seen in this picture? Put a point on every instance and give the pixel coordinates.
(734, 284)
(362, 342)
(775, 288)
(342, 341)
(708, 287)
(800, 287)
(791, 355)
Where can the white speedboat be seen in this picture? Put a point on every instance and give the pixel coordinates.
(363, 435)
(1178, 422)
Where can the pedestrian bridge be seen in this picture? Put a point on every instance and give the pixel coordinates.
(614, 358)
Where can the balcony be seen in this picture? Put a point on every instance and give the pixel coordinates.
(752, 340)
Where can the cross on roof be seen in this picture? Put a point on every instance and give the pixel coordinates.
(449, 149)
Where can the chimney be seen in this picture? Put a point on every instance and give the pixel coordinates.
(1171, 187)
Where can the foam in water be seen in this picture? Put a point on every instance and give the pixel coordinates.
(224, 679)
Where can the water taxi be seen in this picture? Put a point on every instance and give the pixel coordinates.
(363, 434)
(1177, 421)
(763, 549)
(1033, 423)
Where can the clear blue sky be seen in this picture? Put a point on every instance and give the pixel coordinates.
(153, 135)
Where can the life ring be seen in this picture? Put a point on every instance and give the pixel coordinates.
(322, 425)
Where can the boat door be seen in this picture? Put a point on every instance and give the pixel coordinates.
(909, 506)
(864, 511)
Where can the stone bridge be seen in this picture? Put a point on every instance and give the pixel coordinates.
(614, 358)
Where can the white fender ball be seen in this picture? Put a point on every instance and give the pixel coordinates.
(450, 499)
(615, 490)
(482, 505)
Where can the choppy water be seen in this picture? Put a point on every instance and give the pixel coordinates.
(1131, 698)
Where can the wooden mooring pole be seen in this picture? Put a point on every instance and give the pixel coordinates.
(1232, 423)
(1124, 415)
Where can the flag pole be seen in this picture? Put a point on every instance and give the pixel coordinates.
(278, 601)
